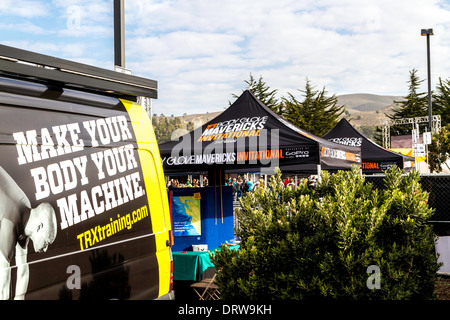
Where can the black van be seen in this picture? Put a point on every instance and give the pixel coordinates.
(83, 205)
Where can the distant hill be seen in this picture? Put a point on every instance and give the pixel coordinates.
(198, 118)
(366, 101)
(365, 111)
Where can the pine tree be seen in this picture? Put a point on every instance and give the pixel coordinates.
(439, 149)
(415, 104)
(316, 114)
(262, 91)
(441, 101)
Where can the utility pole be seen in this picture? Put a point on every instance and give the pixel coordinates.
(428, 33)
(119, 49)
(119, 34)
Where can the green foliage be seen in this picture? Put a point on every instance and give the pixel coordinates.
(415, 104)
(263, 93)
(316, 113)
(441, 101)
(164, 127)
(439, 149)
(309, 243)
(368, 131)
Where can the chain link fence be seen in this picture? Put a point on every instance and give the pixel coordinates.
(438, 188)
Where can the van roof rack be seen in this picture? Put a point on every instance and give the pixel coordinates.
(42, 68)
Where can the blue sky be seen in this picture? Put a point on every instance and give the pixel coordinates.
(201, 51)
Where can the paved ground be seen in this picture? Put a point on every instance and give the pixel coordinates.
(443, 288)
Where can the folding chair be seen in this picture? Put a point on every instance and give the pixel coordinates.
(206, 289)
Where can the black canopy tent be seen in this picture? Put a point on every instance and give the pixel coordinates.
(375, 159)
(248, 135)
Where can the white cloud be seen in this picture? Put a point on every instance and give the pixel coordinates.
(184, 44)
(25, 26)
(201, 51)
(84, 18)
(23, 8)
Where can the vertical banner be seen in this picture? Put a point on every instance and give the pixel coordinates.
(186, 211)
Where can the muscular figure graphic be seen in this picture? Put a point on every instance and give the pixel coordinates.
(18, 224)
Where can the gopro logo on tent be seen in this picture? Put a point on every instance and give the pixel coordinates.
(297, 153)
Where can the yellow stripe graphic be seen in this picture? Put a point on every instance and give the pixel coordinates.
(155, 188)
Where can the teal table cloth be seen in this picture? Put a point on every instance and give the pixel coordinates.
(189, 265)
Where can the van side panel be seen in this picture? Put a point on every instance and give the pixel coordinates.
(154, 182)
(100, 171)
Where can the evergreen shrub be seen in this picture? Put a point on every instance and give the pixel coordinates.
(320, 243)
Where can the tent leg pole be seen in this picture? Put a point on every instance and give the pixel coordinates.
(215, 198)
(221, 204)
